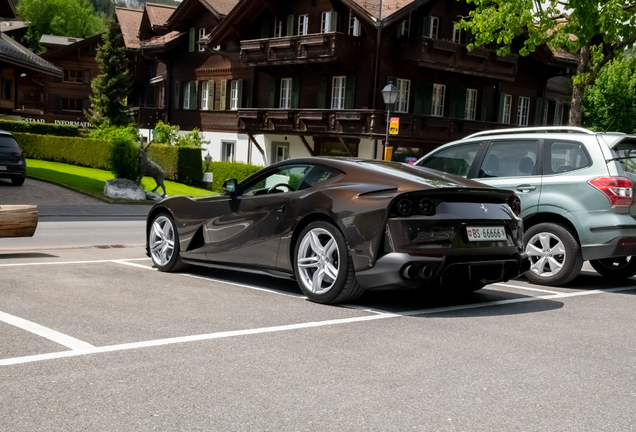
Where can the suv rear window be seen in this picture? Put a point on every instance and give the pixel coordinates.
(565, 156)
(625, 152)
(8, 143)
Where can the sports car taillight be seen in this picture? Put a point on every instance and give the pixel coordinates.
(515, 205)
(619, 190)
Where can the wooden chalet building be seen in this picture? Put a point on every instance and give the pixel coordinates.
(61, 99)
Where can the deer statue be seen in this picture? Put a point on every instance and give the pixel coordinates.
(150, 168)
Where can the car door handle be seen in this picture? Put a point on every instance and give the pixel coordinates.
(526, 188)
(281, 209)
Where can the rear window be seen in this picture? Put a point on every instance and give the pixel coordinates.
(564, 156)
(625, 153)
(8, 143)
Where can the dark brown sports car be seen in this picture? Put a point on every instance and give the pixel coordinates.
(340, 226)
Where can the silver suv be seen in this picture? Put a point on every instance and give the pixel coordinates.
(576, 189)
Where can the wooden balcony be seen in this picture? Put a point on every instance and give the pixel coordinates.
(447, 55)
(314, 48)
(357, 123)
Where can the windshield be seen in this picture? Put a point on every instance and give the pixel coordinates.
(625, 153)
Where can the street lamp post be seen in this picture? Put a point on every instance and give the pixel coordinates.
(389, 94)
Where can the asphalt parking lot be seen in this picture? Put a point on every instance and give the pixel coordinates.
(93, 338)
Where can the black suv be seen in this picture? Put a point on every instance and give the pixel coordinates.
(12, 161)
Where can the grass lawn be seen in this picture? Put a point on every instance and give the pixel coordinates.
(91, 180)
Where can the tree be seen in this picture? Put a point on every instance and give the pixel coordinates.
(610, 103)
(73, 18)
(111, 87)
(589, 29)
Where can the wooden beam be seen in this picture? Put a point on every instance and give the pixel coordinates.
(307, 146)
(18, 220)
(346, 146)
(258, 146)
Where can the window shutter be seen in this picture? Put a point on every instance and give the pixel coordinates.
(265, 28)
(502, 98)
(86, 77)
(194, 85)
(223, 95)
(487, 103)
(191, 40)
(290, 25)
(211, 95)
(272, 103)
(458, 102)
(538, 112)
(86, 103)
(418, 106)
(333, 25)
(177, 95)
(57, 103)
(321, 92)
(428, 97)
(295, 92)
(239, 94)
(350, 91)
(426, 26)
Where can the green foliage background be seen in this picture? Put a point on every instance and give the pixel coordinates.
(39, 128)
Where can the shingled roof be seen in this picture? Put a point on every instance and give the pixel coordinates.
(158, 14)
(129, 22)
(13, 53)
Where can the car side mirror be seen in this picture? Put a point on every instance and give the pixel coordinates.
(229, 187)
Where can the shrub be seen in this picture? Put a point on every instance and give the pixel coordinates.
(182, 164)
(192, 139)
(164, 133)
(225, 170)
(71, 150)
(124, 159)
(107, 132)
(39, 128)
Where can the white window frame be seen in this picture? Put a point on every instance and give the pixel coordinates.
(470, 111)
(404, 93)
(285, 93)
(507, 108)
(559, 108)
(457, 34)
(285, 153)
(234, 95)
(523, 111)
(201, 37)
(225, 145)
(437, 102)
(404, 29)
(433, 31)
(204, 94)
(303, 25)
(325, 22)
(546, 106)
(278, 28)
(338, 90)
(186, 95)
(354, 25)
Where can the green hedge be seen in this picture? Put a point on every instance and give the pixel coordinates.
(226, 170)
(71, 150)
(39, 128)
(182, 164)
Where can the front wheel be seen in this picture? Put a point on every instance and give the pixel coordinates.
(323, 266)
(163, 244)
(17, 181)
(555, 255)
(615, 268)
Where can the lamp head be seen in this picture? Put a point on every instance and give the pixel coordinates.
(389, 94)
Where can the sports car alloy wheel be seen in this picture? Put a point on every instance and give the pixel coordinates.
(318, 260)
(555, 255)
(161, 241)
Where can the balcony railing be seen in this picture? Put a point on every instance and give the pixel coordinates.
(322, 48)
(447, 55)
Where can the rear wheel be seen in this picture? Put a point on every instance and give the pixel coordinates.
(615, 268)
(163, 244)
(18, 181)
(323, 266)
(555, 255)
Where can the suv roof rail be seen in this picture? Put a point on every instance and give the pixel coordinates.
(532, 129)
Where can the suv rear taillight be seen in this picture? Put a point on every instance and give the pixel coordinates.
(619, 190)
(515, 205)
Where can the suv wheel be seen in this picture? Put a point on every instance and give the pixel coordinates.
(615, 268)
(555, 255)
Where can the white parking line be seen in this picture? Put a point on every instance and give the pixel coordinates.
(527, 288)
(67, 262)
(45, 332)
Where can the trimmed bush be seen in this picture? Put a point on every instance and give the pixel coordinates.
(226, 170)
(182, 164)
(124, 159)
(39, 128)
(71, 150)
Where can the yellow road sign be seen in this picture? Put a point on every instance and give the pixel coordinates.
(394, 126)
